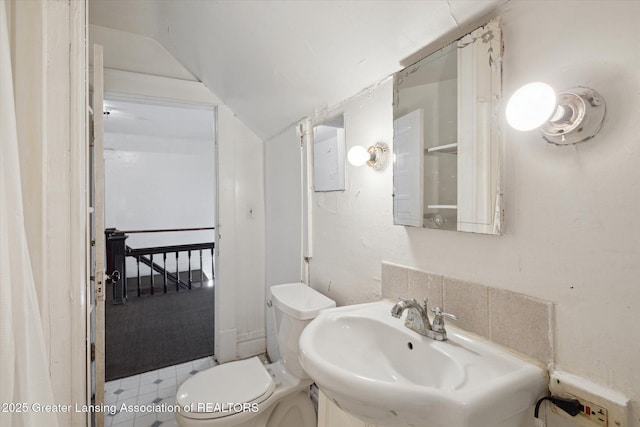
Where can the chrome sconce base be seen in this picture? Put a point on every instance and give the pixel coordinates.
(570, 117)
(379, 156)
(376, 156)
(578, 117)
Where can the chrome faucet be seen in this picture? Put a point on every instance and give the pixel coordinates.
(417, 315)
(418, 318)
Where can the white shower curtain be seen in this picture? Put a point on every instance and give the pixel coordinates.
(24, 372)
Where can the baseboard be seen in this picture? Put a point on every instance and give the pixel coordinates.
(251, 335)
(252, 347)
(226, 348)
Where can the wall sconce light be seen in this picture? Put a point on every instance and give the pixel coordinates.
(376, 156)
(567, 118)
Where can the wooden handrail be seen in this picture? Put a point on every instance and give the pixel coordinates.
(166, 230)
(166, 249)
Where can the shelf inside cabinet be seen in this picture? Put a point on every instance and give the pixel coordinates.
(442, 206)
(446, 148)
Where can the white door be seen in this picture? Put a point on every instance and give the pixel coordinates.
(97, 240)
(408, 169)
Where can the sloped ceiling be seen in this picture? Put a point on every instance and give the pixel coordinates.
(274, 62)
(134, 52)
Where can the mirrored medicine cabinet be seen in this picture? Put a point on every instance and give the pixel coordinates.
(447, 144)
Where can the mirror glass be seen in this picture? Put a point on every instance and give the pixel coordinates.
(329, 155)
(447, 145)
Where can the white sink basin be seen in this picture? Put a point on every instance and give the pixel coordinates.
(375, 368)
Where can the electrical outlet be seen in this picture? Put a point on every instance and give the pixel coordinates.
(603, 407)
(591, 414)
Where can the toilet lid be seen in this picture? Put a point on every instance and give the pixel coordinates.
(222, 390)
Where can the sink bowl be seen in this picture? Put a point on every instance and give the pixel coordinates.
(373, 367)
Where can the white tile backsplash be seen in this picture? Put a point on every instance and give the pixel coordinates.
(470, 302)
(522, 323)
(395, 281)
(511, 319)
(425, 285)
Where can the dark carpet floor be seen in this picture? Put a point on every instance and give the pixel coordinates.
(152, 332)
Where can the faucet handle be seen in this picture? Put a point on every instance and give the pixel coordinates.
(437, 311)
(438, 322)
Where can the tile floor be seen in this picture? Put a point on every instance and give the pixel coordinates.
(158, 387)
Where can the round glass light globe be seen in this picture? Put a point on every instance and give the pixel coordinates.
(358, 155)
(530, 106)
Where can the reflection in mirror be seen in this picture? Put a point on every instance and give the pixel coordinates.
(329, 155)
(447, 145)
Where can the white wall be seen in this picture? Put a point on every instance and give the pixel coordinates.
(160, 183)
(283, 194)
(573, 235)
(283, 204)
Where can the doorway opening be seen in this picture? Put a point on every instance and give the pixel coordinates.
(159, 220)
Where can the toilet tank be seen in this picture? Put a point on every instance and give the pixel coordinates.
(295, 306)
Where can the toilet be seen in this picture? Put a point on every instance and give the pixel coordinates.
(246, 393)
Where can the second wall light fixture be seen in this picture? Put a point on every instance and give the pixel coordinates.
(567, 118)
(376, 156)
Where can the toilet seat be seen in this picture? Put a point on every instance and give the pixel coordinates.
(225, 390)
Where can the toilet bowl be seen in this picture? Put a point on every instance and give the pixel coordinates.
(246, 393)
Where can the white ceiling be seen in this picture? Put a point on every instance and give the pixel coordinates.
(274, 62)
(134, 52)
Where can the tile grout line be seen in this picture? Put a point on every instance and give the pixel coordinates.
(168, 375)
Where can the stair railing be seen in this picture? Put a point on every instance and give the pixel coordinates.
(117, 251)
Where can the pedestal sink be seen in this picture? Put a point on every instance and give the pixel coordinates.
(372, 366)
